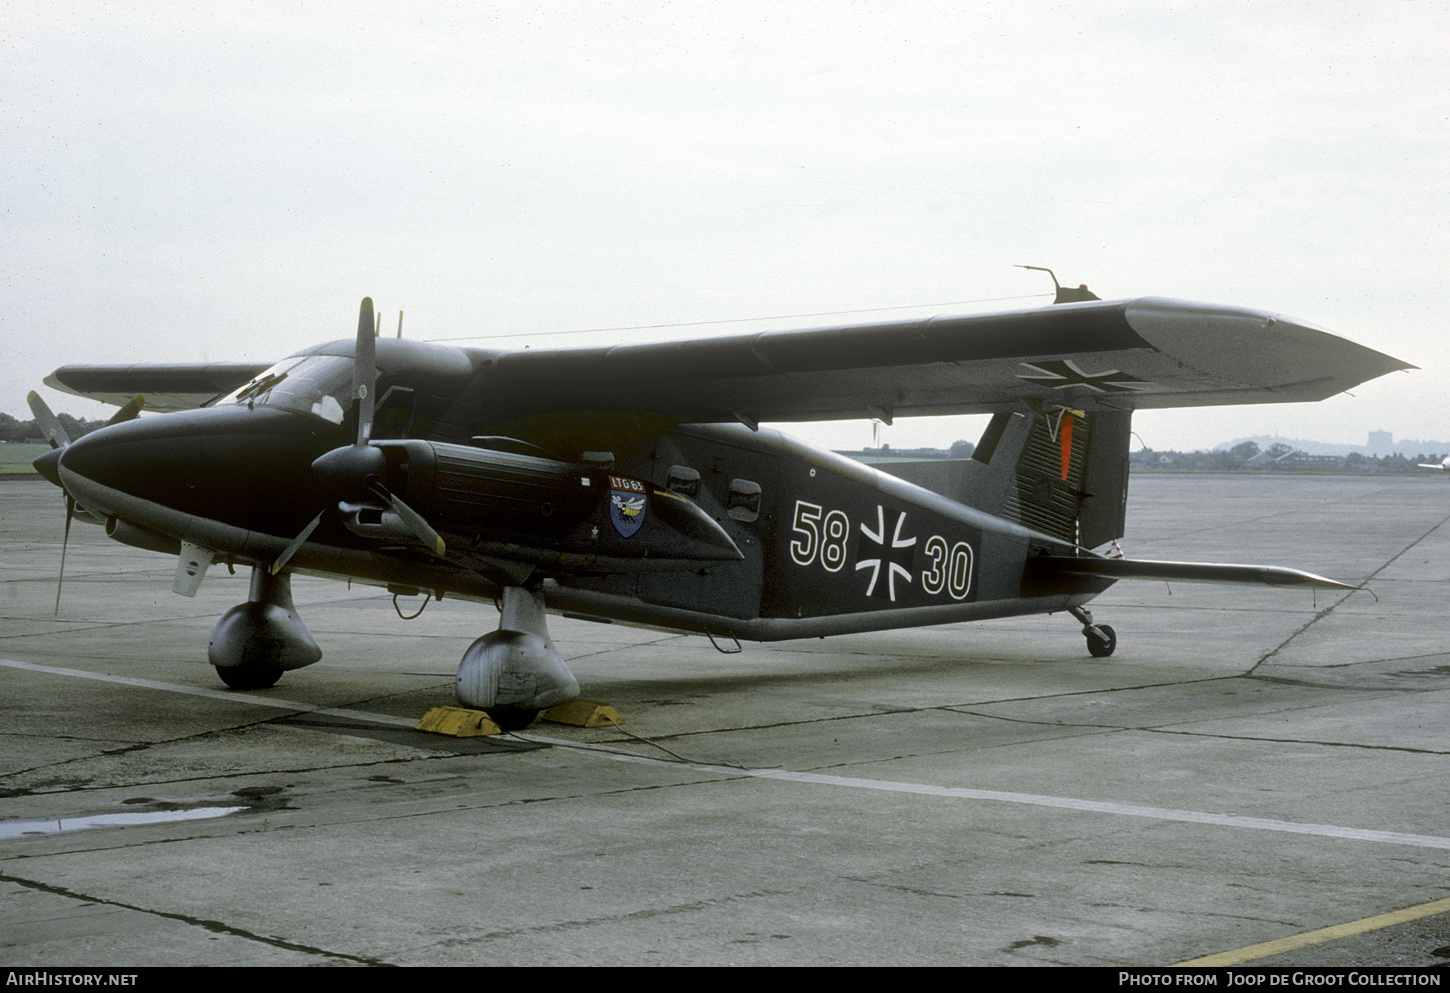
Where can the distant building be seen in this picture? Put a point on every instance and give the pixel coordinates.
(1302, 460)
(1381, 443)
(888, 454)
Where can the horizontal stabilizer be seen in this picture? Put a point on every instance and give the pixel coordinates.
(1186, 572)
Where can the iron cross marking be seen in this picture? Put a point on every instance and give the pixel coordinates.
(1059, 374)
(896, 555)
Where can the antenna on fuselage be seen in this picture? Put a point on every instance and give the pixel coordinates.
(400, 324)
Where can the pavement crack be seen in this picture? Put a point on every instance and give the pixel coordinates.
(216, 927)
(88, 785)
(1344, 599)
(1300, 741)
(1316, 685)
(636, 915)
(920, 891)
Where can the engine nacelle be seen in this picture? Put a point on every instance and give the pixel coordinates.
(137, 537)
(551, 513)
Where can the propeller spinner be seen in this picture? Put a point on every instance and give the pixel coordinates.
(359, 467)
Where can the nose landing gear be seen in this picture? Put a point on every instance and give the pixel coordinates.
(255, 642)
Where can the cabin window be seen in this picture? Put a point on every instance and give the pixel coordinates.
(394, 416)
(684, 481)
(743, 502)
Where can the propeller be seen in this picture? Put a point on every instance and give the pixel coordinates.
(48, 422)
(129, 410)
(352, 468)
(70, 513)
(48, 464)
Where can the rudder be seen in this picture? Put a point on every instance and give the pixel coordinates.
(1063, 474)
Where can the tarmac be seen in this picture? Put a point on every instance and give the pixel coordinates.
(1256, 775)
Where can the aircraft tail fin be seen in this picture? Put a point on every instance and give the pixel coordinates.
(1071, 477)
(1064, 473)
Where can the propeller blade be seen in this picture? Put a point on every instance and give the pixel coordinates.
(297, 543)
(133, 407)
(364, 370)
(48, 422)
(420, 528)
(70, 512)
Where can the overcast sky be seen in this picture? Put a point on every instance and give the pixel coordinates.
(188, 182)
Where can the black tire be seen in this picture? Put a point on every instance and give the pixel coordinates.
(1102, 641)
(246, 677)
(512, 718)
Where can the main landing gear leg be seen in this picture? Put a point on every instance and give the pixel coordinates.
(1101, 639)
(255, 642)
(515, 672)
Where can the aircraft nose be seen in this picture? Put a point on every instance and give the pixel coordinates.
(134, 457)
(251, 468)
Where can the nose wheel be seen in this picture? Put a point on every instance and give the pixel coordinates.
(1101, 639)
(241, 677)
(255, 642)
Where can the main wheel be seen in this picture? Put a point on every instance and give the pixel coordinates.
(1101, 641)
(512, 718)
(246, 677)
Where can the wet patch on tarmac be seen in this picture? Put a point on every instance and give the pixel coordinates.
(251, 799)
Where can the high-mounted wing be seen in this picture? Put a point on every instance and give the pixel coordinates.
(1102, 355)
(166, 387)
(1120, 355)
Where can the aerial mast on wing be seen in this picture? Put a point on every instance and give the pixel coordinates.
(1065, 294)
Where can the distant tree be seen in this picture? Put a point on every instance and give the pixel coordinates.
(1225, 460)
(1278, 450)
(961, 450)
(1244, 450)
(75, 427)
(13, 430)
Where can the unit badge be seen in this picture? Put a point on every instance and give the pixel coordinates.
(627, 504)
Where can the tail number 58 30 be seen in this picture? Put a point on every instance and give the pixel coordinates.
(824, 533)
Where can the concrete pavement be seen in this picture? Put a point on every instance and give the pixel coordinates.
(1249, 766)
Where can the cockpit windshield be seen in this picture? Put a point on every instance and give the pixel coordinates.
(320, 385)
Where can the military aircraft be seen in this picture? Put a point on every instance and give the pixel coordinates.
(636, 484)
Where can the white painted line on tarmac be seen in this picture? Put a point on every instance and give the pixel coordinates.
(811, 778)
(1034, 799)
(229, 696)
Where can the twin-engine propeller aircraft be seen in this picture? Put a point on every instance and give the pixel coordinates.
(635, 484)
